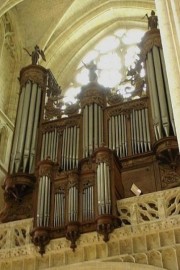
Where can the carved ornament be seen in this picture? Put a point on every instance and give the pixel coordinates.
(169, 178)
(127, 107)
(45, 167)
(36, 74)
(103, 155)
(151, 38)
(114, 99)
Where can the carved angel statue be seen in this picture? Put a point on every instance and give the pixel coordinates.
(152, 20)
(92, 71)
(35, 55)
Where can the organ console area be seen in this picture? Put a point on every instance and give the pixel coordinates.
(69, 166)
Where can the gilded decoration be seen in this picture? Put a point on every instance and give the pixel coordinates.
(127, 107)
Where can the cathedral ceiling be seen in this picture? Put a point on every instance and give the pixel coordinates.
(66, 29)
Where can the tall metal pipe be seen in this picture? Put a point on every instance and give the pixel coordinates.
(23, 126)
(17, 129)
(34, 133)
(160, 89)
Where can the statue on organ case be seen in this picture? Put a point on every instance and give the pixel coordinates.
(152, 20)
(35, 55)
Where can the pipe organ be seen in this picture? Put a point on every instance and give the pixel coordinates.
(80, 160)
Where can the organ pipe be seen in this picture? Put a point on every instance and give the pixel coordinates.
(103, 189)
(17, 129)
(160, 90)
(92, 128)
(154, 98)
(23, 125)
(167, 92)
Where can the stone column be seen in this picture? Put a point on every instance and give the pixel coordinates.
(169, 23)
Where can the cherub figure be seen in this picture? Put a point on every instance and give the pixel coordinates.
(152, 20)
(92, 71)
(35, 55)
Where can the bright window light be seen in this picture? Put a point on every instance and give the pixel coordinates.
(109, 61)
(109, 78)
(114, 55)
(107, 44)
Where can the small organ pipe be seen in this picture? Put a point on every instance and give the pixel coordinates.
(135, 136)
(84, 134)
(35, 128)
(63, 207)
(86, 130)
(144, 131)
(132, 133)
(116, 135)
(90, 202)
(100, 125)
(69, 204)
(122, 135)
(105, 186)
(29, 126)
(46, 145)
(109, 189)
(43, 146)
(55, 211)
(110, 133)
(137, 131)
(84, 204)
(48, 201)
(77, 147)
(90, 144)
(17, 129)
(125, 135)
(140, 131)
(102, 189)
(113, 132)
(99, 188)
(71, 152)
(147, 129)
(39, 203)
(52, 145)
(68, 148)
(75, 203)
(96, 127)
(42, 201)
(74, 146)
(45, 200)
(62, 151)
(65, 147)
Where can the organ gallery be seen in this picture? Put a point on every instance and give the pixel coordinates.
(69, 166)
